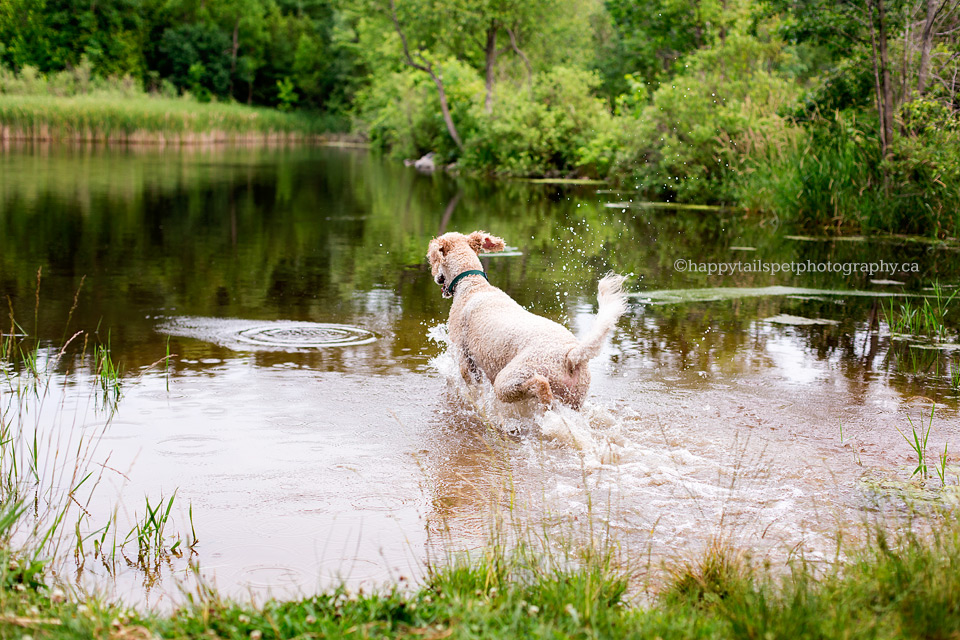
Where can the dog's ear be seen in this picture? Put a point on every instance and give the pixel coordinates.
(483, 241)
(437, 249)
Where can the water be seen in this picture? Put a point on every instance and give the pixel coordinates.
(313, 419)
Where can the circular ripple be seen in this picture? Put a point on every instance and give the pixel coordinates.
(306, 335)
(189, 445)
(268, 575)
(378, 503)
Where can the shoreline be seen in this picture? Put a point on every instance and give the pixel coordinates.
(43, 134)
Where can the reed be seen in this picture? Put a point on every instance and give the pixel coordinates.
(151, 119)
(108, 373)
(918, 442)
(150, 532)
(928, 318)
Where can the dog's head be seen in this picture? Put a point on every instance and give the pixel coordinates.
(453, 253)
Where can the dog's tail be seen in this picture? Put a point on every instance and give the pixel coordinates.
(613, 302)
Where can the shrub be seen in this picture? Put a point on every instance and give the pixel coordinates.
(691, 140)
(544, 129)
(401, 111)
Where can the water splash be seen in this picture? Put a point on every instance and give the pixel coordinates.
(594, 432)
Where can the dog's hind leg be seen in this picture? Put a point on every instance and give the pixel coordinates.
(468, 368)
(515, 383)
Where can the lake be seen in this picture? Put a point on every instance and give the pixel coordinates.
(283, 372)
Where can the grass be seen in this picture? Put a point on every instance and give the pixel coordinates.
(928, 318)
(918, 442)
(147, 118)
(149, 532)
(832, 179)
(919, 329)
(902, 587)
(50, 465)
(108, 373)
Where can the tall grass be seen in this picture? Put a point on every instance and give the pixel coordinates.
(149, 119)
(928, 318)
(76, 105)
(51, 464)
(835, 180)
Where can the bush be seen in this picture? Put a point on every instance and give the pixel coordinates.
(692, 140)
(75, 81)
(546, 129)
(401, 111)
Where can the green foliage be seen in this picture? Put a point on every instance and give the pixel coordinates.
(542, 130)
(403, 112)
(770, 106)
(835, 179)
(903, 587)
(195, 58)
(286, 94)
(648, 40)
(690, 142)
(78, 80)
(927, 319)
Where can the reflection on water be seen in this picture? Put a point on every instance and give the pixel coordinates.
(319, 433)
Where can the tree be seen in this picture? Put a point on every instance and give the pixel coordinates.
(424, 63)
(196, 57)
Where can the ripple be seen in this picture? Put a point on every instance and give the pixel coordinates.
(278, 335)
(356, 569)
(301, 335)
(378, 503)
(265, 576)
(188, 445)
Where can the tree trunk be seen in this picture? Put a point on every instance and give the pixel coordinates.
(885, 75)
(926, 45)
(491, 64)
(904, 85)
(876, 83)
(233, 52)
(427, 67)
(445, 108)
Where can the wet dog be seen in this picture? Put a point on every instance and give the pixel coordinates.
(523, 354)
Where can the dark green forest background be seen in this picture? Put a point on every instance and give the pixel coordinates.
(840, 116)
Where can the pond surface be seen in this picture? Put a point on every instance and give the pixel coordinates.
(307, 414)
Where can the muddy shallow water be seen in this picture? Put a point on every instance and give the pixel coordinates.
(309, 412)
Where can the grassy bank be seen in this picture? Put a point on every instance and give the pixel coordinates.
(903, 588)
(151, 119)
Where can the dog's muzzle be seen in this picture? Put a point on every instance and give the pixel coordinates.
(444, 289)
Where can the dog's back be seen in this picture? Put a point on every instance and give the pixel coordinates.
(497, 334)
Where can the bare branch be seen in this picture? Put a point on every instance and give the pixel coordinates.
(523, 56)
(403, 41)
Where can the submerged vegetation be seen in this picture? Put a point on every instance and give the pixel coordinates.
(928, 318)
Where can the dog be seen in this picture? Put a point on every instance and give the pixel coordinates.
(524, 355)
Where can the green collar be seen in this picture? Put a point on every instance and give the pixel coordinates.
(471, 272)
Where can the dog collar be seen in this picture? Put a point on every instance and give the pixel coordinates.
(471, 272)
